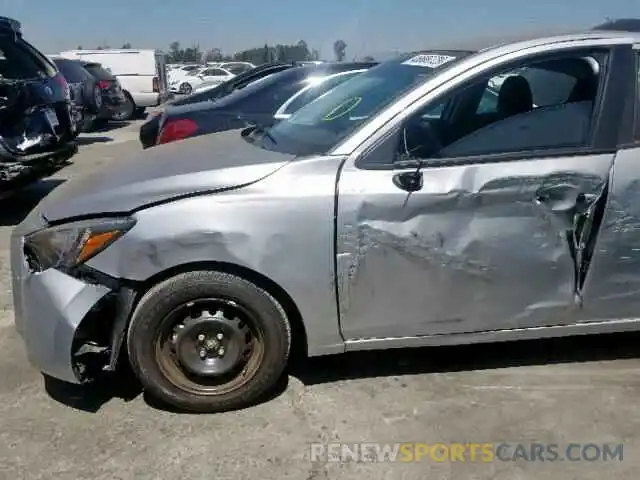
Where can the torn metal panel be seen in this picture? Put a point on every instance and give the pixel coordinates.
(479, 247)
(25, 125)
(612, 284)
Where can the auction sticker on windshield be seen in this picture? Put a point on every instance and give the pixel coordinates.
(428, 60)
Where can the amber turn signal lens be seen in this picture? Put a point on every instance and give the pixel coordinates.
(95, 243)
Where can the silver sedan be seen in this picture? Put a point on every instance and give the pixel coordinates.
(444, 197)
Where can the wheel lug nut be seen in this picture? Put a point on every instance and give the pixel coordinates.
(220, 336)
(221, 351)
(203, 353)
(201, 338)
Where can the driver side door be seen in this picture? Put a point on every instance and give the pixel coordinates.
(483, 232)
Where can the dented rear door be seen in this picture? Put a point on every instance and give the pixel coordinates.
(485, 246)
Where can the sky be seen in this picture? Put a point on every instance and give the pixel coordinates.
(367, 26)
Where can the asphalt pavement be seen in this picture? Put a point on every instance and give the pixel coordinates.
(571, 391)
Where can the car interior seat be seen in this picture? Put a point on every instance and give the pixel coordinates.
(515, 96)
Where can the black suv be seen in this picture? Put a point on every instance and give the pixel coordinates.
(36, 130)
(96, 95)
(113, 100)
(86, 97)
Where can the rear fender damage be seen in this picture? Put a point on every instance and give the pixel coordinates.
(24, 125)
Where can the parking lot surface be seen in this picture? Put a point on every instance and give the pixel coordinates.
(581, 390)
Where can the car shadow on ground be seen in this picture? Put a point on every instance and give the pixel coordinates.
(14, 208)
(359, 365)
(476, 357)
(83, 141)
(109, 126)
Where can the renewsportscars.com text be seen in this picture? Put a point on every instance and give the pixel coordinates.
(467, 452)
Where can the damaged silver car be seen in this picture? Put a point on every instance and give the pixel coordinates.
(36, 130)
(445, 197)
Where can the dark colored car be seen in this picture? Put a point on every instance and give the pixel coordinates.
(86, 98)
(36, 127)
(150, 129)
(620, 24)
(114, 102)
(256, 104)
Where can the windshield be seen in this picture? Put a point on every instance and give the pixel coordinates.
(99, 72)
(72, 71)
(320, 125)
(274, 89)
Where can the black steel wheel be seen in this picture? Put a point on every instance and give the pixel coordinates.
(208, 341)
(185, 88)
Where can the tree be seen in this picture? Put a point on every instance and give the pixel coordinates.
(212, 55)
(175, 52)
(126, 45)
(368, 58)
(340, 50)
(79, 47)
(303, 50)
(267, 54)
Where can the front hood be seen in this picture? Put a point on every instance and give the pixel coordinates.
(198, 165)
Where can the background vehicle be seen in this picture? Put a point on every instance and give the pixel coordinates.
(141, 73)
(179, 71)
(150, 129)
(256, 103)
(36, 126)
(236, 67)
(114, 101)
(86, 97)
(188, 82)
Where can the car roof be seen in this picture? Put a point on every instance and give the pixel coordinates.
(530, 38)
(335, 67)
(7, 23)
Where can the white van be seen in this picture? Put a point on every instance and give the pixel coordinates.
(142, 74)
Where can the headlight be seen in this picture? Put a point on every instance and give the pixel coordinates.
(68, 245)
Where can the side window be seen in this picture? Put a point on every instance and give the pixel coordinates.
(547, 88)
(637, 122)
(543, 105)
(316, 91)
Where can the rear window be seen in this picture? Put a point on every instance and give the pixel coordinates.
(99, 72)
(72, 71)
(19, 60)
(315, 91)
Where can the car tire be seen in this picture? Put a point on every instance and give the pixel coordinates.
(185, 88)
(183, 327)
(92, 97)
(139, 113)
(127, 111)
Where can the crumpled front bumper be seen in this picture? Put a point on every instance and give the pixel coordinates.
(49, 307)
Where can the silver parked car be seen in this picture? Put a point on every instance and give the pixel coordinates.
(422, 202)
